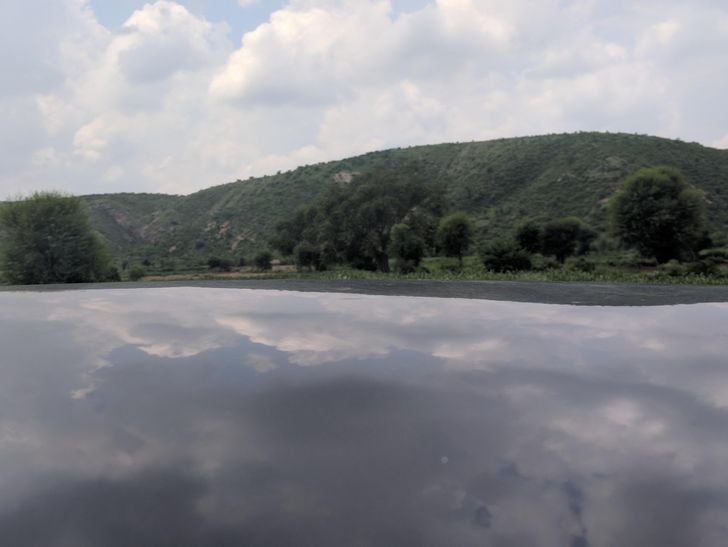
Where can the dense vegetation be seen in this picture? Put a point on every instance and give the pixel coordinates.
(354, 224)
(589, 203)
(47, 238)
(391, 214)
(500, 184)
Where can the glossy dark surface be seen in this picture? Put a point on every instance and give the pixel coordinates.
(234, 417)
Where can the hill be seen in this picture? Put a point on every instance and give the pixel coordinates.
(501, 183)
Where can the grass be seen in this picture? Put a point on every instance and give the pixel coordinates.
(471, 271)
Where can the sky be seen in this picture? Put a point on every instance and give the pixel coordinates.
(175, 96)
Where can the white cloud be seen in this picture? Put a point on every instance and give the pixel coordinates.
(722, 142)
(168, 103)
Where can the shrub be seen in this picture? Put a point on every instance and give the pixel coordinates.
(262, 261)
(307, 256)
(705, 266)
(503, 255)
(529, 236)
(136, 273)
(673, 268)
(219, 264)
(113, 274)
(580, 264)
(450, 264)
(542, 263)
(720, 255)
(630, 259)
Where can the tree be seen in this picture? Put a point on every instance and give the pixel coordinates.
(454, 235)
(562, 237)
(658, 213)
(407, 247)
(262, 261)
(48, 238)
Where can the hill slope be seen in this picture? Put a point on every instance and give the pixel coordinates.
(501, 183)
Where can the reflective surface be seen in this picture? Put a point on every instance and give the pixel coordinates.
(235, 417)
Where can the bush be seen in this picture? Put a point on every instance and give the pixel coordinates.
(307, 256)
(630, 259)
(542, 263)
(503, 255)
(529, 237)
(580, 264)
(262, 261)
(219, 264)
(706, 266)
(113, 274)
(450, 264)
(720, 255)
(136, 273)
(673, 268)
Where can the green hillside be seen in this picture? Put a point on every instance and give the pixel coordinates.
(501, 183)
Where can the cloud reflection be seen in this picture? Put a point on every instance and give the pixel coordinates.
(228, 417)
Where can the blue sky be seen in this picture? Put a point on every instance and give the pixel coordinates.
(239, 18)
(176, 100)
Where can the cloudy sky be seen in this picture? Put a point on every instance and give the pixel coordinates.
(174, 96)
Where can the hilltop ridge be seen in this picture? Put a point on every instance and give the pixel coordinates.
(501, 183)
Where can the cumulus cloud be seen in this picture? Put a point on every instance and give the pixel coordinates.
(168, 102)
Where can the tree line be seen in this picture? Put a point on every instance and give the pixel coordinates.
(386, 216)
(393, 214)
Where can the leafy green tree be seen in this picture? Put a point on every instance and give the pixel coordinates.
(48, 238)
(658, 213)
(504, 255)
(564, 236)
(454, 235)
(406, 247)
(529, 237)
(262, 261)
